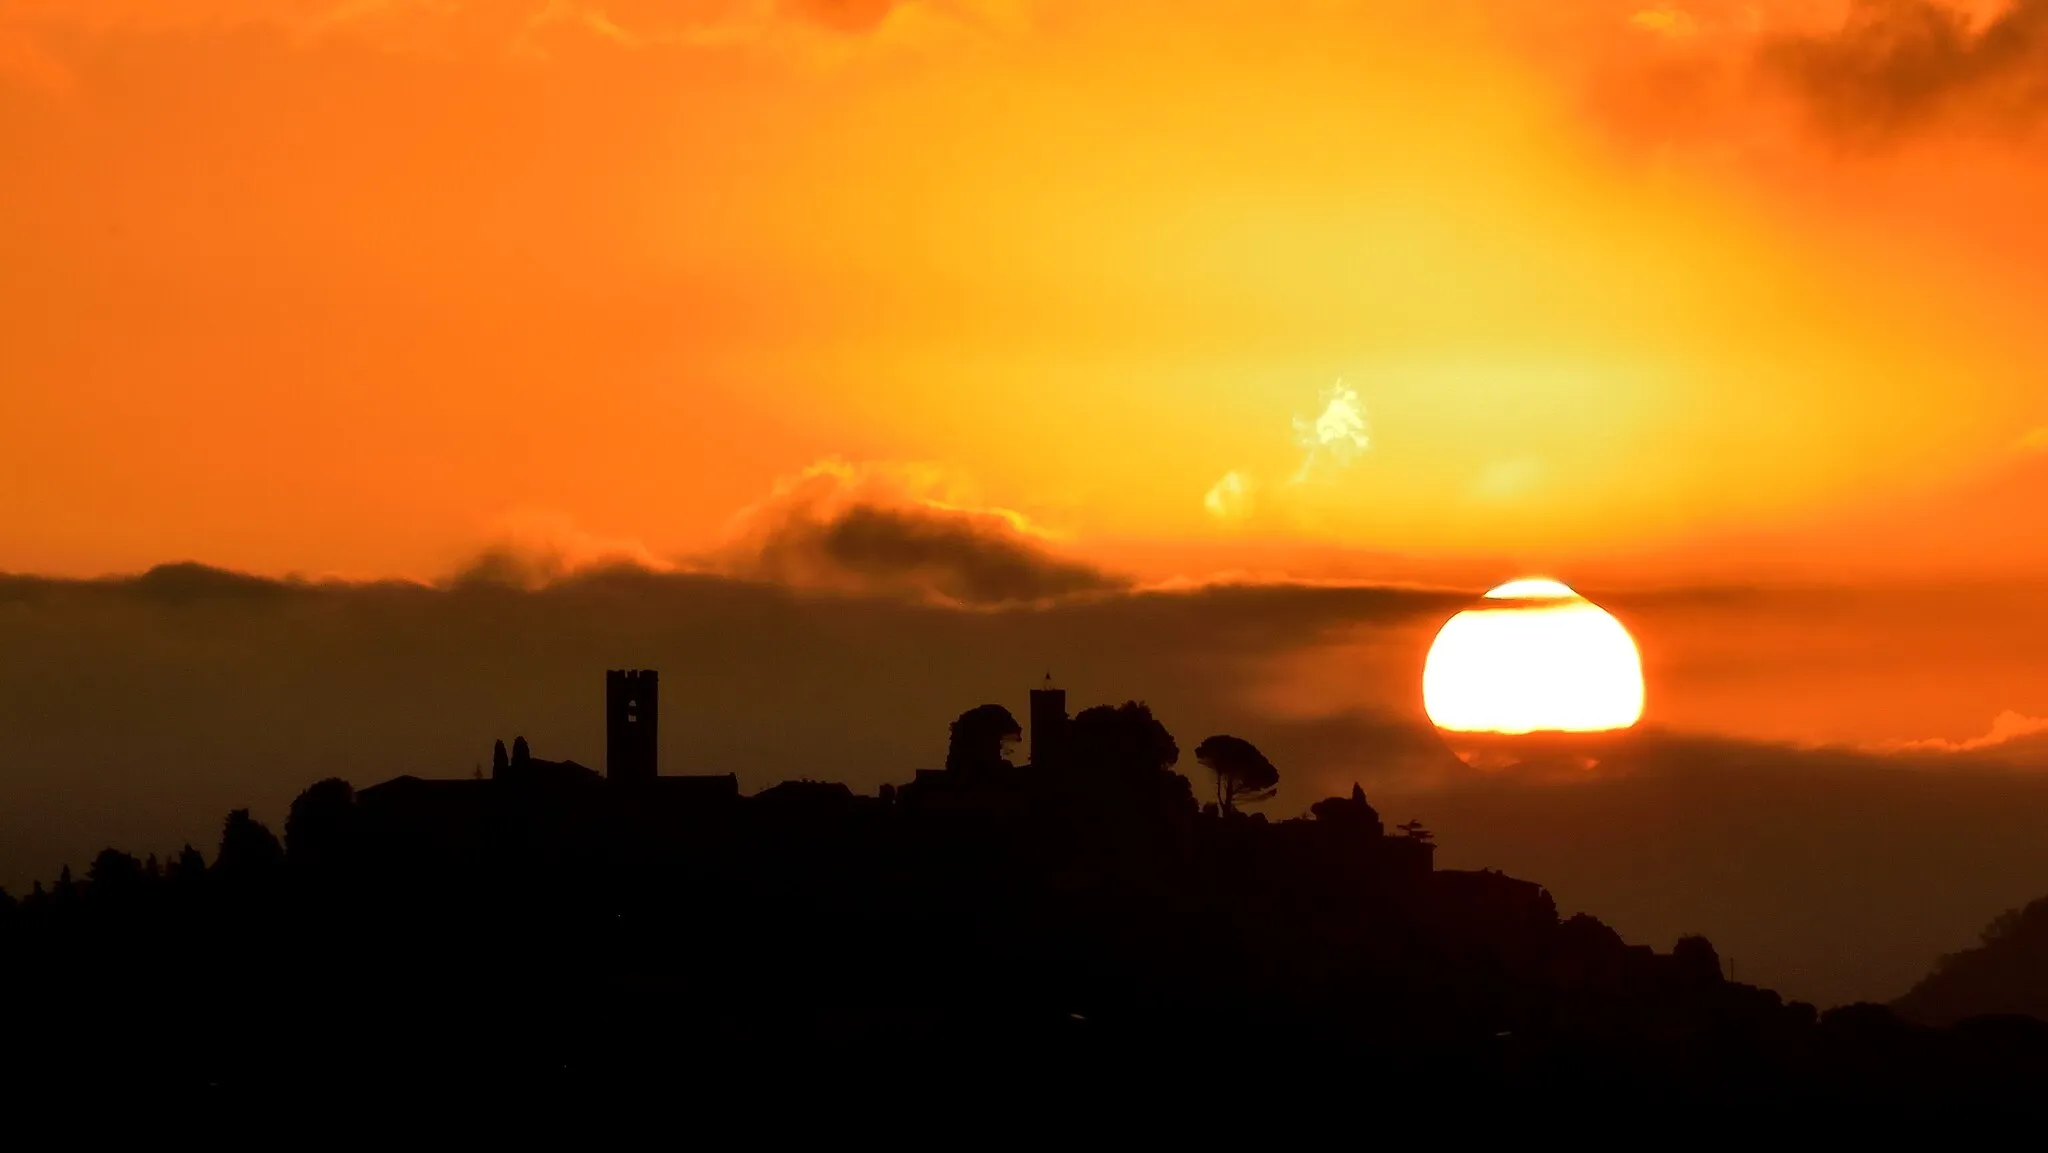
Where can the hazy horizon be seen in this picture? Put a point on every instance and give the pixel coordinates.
(1834, 868)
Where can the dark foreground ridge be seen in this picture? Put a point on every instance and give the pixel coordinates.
(1079, 922)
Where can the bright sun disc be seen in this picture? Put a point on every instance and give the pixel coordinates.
(1551, 661)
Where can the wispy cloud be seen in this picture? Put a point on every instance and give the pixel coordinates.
(1335, 436)
(2006, 728)
(1231, 498)
(1332, 436)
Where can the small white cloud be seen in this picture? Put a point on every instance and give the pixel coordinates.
(1335, 436)
(1230, 498)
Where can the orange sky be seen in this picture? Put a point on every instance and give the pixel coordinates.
(304, 285)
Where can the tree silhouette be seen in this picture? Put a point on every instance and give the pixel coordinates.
(189, 865)
(246, 846)
(1414, 831)
(521, 755)
(115, 875)
(1696, 959)
(2004, 925)
(498, 758)
(981, 738)
(320, 823)
(1123, 739)
(1242, 772)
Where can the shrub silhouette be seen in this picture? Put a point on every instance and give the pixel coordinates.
(247, 848)
(981, 738)
(115, 875)
(189, 866)
(1125, 740)
(321, 823)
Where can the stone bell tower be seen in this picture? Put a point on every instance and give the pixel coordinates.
(632, 706)
(1048, 726)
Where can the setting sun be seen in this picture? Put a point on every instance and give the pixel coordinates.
(1544, 660)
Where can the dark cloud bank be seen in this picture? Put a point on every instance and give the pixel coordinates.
(964, 559)
(1897, 64)
(136, 711)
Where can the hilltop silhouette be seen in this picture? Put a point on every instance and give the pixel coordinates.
(2004, 974)
(1081, 917)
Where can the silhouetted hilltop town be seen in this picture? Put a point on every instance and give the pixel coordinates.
(549, 926)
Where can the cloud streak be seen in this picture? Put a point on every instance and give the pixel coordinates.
(530, 29)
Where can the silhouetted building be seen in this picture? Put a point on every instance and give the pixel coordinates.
(1510, 914)
(708, 787)
(816, 796)
(530, 800)
(534, 771)
(1354, 813)
(1048, 726)
(632, 704)
(523, 768)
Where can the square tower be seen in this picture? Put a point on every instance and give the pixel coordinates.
(1048, 726)
(632, 705)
